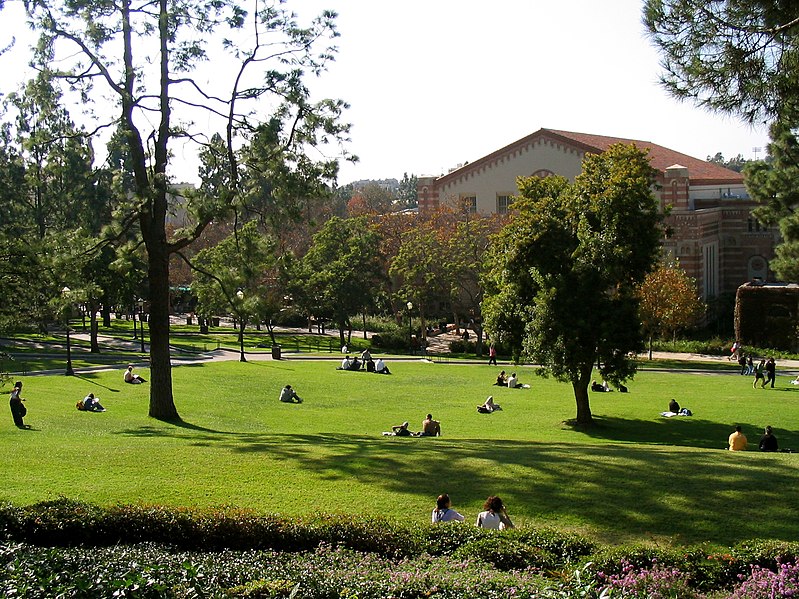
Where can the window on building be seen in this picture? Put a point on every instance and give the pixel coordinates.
(710, 254)
(469, 202)
(503, 201)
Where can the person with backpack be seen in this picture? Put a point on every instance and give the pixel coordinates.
(443, 511)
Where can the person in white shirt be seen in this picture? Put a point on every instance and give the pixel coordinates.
(345, 363)
(512, 381)
(289, 395)
(494, 515)
(444, 511)
(380, 367)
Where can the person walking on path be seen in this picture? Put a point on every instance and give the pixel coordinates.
(771, 372)
(492, 354)
(759, 375)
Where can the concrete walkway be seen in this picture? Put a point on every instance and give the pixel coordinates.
(438, 348)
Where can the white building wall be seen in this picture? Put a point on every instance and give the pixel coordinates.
(498, 177)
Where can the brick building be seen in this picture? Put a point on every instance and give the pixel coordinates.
(711, 229)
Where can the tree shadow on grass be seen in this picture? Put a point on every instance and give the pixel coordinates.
(618, 491)
(687, 431)
(88, 378)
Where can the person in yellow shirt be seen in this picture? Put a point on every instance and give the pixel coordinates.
(737, 440)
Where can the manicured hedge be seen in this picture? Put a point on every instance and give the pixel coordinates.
(243, 554)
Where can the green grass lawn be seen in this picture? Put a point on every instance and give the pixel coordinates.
(636, 476)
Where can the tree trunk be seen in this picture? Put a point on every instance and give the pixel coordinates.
(93, 327)
(106, 313)
(584, 418)
(162, 405)
(342, 341)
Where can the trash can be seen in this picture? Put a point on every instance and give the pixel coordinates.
(276, 352)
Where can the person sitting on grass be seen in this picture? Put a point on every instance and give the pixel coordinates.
(444, 511)
(381, 368)
(513, 381)
(430, 427)
(494, 516)
(401, 430)
(288, 395)
(597, 388)
(90, 403)
(674, 406)
(737, 440)
(768, 442)
(502, 380)
(488, 406)
(131, 378)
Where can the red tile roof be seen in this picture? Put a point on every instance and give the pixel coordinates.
(661, 158)
(700, 171)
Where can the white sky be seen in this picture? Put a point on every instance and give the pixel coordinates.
(439, 82)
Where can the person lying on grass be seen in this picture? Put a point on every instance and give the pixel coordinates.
(488, 406)
(401, 430)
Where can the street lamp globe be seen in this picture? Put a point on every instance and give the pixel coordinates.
(410, 305)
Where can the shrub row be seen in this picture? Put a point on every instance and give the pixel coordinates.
(70, 524)
(67, 523)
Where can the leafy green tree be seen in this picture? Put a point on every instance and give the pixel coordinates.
(735, 56)
(146, 57)
(562, 274)
(421, 271)
(736, 164)
(741, 57)
(237, 276)
(407, 194)
(341, 273)
(775, 184)
(59, 176)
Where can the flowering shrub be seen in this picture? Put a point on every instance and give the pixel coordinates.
(763, 583)
(657, 582)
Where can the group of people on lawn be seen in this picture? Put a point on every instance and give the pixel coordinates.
(366, 361)
(494, 515)
(738, 442)
(430, 428)
(90, 403)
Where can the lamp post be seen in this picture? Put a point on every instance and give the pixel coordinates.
(140, 304)
(66, 292)
(240, 296)
(409, 305)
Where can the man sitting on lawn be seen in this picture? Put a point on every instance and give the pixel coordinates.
(288, 395)
(430, 427)
(737, 440)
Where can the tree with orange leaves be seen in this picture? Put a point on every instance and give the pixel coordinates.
(668, 302)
